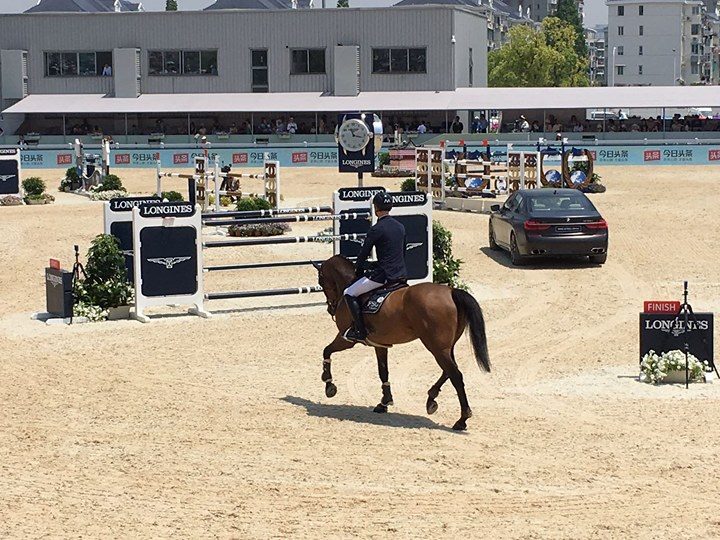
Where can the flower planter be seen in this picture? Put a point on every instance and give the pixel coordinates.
(119, 313)
(677, 377)
(35, 201)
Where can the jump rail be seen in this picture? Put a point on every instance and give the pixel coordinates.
(281, 240)
(265, 213)
(288, 219)
(265, 292)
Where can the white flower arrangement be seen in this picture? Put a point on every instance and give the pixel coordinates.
(105, 195)
(92, 313)
(654, 368)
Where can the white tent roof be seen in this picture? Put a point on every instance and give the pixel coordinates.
(460, 99)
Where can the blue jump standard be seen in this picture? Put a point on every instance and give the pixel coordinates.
(288, 219)
(266, 292)
(281, 240)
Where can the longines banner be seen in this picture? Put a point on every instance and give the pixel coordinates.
(663, 333)
(327, 156)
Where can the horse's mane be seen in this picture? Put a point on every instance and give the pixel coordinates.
(339, 271)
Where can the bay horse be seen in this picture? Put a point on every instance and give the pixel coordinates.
(435, 314)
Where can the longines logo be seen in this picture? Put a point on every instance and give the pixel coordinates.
(676, 328)
(127, 204)
(169, 262)
(166, 209)
(53, 279)
(359, 194)
(412, 245)
(6, 177)
(128, 252)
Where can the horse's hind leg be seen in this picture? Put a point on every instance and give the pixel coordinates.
(337, 345)
(387, 399)
(431, 405)
(446, 360)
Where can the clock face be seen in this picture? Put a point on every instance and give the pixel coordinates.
(353, 135)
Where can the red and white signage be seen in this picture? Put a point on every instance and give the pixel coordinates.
(661, 306)
(651, 155)
(240, 158)
(299, 157)
(64, 159)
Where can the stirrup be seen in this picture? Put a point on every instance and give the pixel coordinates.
(352, 335)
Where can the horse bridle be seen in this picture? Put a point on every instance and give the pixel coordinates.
(332, 306)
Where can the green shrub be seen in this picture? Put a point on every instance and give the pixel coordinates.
(106, 285)
(245, 204)
(33, 186)
(259, 229)
(408, 185)
(111, 183)
(172, 196)
(446, 268)
(383, 158)
(72, 174)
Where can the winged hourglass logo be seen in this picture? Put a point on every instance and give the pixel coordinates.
(168, 262)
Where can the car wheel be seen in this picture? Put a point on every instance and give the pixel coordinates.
(598, 259)
(515, 256)
(491, 239)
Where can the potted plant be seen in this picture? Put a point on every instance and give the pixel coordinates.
(669, 367)
(34, 188)
(71, 181)
(105, 291)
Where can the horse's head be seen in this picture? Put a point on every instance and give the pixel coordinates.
(334, 275)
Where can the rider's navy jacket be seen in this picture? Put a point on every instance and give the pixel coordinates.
(388, 238)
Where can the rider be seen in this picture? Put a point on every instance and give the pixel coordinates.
(387, 236)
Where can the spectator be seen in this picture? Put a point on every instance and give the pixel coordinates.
(280, 126)
(107, 71)
(524, 124)
(265, 126)
(479, 124)
(291, 126)
(421, 128)
(535, 127)
(457, 126)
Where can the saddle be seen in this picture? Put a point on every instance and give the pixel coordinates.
(373, 301)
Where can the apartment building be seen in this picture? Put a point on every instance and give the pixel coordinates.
(595, 39)
(655, 42)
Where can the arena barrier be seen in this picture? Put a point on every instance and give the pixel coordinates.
(168, 251)
(10, 171)
(225, 183)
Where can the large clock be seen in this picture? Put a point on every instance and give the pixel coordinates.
(353, 135)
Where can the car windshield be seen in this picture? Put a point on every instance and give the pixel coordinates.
(560, 204)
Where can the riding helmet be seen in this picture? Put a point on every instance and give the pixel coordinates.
(383, 201)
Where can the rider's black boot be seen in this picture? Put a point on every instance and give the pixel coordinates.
(358, 332)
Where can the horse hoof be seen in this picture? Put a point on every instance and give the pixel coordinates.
(330, 389)
(460, 425)
(431, 406)
(380, 408)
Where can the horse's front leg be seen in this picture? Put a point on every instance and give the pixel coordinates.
(387, 399)
(337, 345)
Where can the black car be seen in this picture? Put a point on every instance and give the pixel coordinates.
(548, 222)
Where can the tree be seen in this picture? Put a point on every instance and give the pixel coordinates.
(538, 58)
(567, 11)
(343, 3)
(170, 5)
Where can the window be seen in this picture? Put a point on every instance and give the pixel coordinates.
(174, 63)
(695, 48)
(620, 70)
(694, 69)
(74, 64)
(399, 60)
(620, 50)
(640, 30)
(470, 67)
(621, 31)
(696, 10)
(259, 59)
(307, 61)
(640, 50)
(640, 70)
(695, 29)
(641, 10)
(621, 11)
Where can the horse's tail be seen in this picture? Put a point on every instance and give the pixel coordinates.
(470, 310)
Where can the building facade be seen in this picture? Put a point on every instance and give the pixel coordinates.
(595, 39)
(656, 42)
(205, 52)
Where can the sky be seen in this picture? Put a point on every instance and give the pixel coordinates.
(595, 10)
